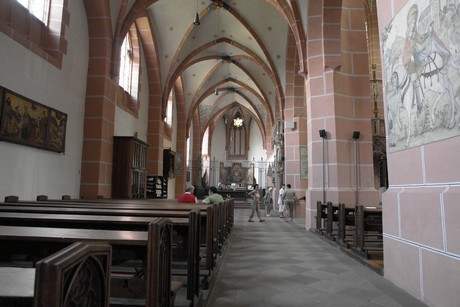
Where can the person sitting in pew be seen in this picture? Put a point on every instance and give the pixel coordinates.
(213, 196)
(188, 196)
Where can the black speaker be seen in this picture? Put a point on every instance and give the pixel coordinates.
(356, 135)
(323, 133)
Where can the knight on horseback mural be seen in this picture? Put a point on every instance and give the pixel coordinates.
(420, 84)
(419, 57)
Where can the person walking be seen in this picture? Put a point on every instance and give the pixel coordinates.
(268, 201)
(255, 195)
(280, 201)
(289, 198)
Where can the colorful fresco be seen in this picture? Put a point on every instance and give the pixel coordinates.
(421, 54)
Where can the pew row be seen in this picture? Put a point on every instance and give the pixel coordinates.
(224, 210)
(356, 227)
(215, 217)
(368, 230)
(152, 246)
(77, 275)
(189, 226)
(209, 236)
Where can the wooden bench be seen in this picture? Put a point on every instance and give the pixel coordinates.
(345, 235)
(55, 281)
(222, 212)
(321, 216)
(217, 219)
(332, 215)
(127, 219)
(209, 228)
(153, 246)
(191, 224)
(356, 227)
(368, 230)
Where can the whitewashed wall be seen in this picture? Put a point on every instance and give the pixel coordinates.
(218, 139)
(256, 149)
(26, 171)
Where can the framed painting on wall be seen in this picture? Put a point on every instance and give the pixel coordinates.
(303, 162)
(178, 164)
(56, 130)
(30, 123)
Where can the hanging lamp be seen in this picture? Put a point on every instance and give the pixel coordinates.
(196, 21)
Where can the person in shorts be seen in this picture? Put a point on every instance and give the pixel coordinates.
(289, 198)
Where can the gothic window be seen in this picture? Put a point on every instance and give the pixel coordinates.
(126, 64)
(237, 136)
(38, 25)
(38, 8)
(169, 116)
(129, 71)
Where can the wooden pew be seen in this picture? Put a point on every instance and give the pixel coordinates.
(210, 236)
(321, 216)
(191, 224)
(130, 215)
(218, 220)
(331, 217)
(326, 215)
(154, 244)
(346, 218)
(223, 211)
(364, 221)
(56, 279)
(368, 230)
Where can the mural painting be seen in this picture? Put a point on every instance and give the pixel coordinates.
(421, 53)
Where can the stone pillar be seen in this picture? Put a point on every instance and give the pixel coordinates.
(338, 101)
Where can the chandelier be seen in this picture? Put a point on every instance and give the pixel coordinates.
(237, 122)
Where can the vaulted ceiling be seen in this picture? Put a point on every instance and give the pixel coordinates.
(238, 49)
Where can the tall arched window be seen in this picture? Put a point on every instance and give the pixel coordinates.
(205, 143)
(129, 71)
(126, 63)
(237, 138)
(38, 8)
(169, 116)
(38, 25)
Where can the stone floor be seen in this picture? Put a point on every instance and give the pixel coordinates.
(275, 263)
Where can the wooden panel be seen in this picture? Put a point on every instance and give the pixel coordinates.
(129, 168)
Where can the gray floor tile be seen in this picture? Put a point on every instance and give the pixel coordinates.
(281, 264)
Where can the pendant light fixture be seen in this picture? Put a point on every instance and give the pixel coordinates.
(216, 92)
(196, 22)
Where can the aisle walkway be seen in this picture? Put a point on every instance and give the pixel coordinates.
(280, 264)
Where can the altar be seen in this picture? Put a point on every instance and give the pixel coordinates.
(238, 194)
